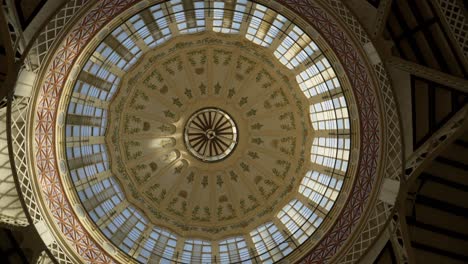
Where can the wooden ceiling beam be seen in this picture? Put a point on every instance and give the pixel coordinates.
(427, 73)
(423, 156)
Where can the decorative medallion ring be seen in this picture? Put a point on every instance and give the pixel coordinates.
(210, 134)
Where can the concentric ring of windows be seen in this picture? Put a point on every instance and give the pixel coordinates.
(98, 81)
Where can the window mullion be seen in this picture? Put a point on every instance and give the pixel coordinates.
(337, 133)
(228, 16)
(95, 81)
(128, 28)
(90, 180)
(83, 120)
(105, 64)
(112, 214)
(80, 98)
(252, 250)
(118, 47)
(124, 230)
(172, 21)
(84, 161)
(179, 249)
(324, 169)
(151, 24)
(284, 31)
(315, 207)
(246, 19)
(80, 141)
(286, 233)
(189, 11)
(97, 199)
(139, 244)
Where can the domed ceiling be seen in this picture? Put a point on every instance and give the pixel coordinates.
(211, 131)
(209, 134)
(212, 138)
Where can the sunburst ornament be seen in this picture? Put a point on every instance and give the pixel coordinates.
(210, 134)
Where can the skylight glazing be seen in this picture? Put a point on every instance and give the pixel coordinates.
(84, 120)
(159, 246)
(227, 16)
(234, 250)
(331, 152)
(330, 115)
(98, 81)
(300, 220)
(197, 251)
(318, 78)
(270, 243)
(265, 25)
(295, 48)
(321, 188)
(189, 16)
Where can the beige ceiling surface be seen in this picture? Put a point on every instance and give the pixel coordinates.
(185, 194)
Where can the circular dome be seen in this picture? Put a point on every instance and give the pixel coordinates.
(210, 134)
(287, 112)
(283, 180)
(161, 119)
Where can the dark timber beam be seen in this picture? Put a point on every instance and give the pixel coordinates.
(420, 27)
(436, 229)
(438, 142)
(398, 13)
(427, 73)
(438, 251)
(439, 180)
(453, 163)
(461, 143)
(442, 206)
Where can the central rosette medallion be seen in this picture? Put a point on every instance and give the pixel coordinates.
(210, 135)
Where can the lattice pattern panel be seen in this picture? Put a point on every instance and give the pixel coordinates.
(454, 14)
(361, 81)
(19, 120)
(65, 219)
(394, 156)
(382, 211)
(36, 56)
(12, 222)
(11, 210)
(19, 110)
(393, 138)
(348, 18)
(340, 42)
(14, 27)
(59, 254)
(381, 18)
(398, 241)
(374, 226)
(44, 259)
(51, 31)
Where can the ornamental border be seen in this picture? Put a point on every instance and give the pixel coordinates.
(371, 127)
(50, 91)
